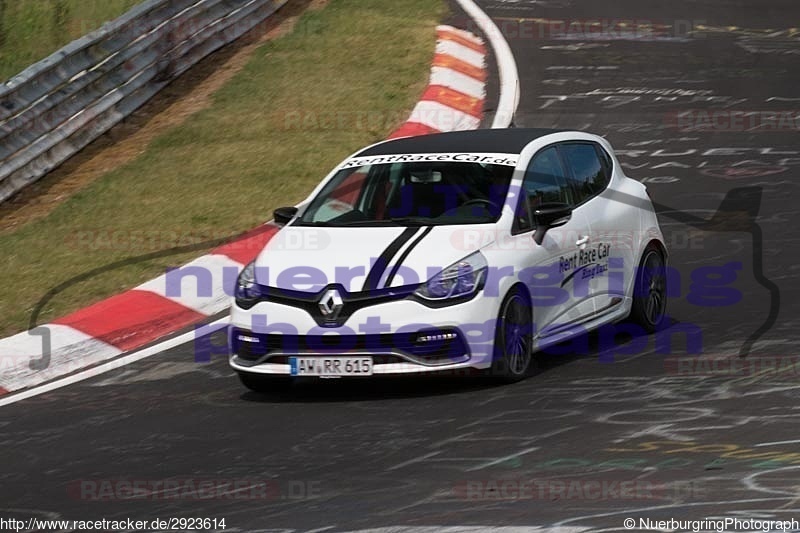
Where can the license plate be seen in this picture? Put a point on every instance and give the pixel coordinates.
(330, 366)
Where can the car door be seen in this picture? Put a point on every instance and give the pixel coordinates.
(558, 298)
(610, 246)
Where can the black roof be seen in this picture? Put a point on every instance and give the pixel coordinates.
(505, 141)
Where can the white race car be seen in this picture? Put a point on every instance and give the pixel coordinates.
(454, 251)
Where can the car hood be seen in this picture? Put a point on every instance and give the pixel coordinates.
(362, 258)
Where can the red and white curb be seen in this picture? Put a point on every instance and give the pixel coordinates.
(456, 91)
(129, 320)
(91, 337)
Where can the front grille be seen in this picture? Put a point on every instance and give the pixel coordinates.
(351, 301)
(444, 345)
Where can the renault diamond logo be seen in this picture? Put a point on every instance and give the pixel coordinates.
(331, 304)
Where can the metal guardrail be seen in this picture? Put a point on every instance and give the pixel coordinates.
(57, 106)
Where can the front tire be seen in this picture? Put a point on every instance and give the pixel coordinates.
(264, 384)
(513, 343)
(650, 290)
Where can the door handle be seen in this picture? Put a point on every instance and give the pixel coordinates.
(582, 242)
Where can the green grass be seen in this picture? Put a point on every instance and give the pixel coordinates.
(351, 72)
(31, 30)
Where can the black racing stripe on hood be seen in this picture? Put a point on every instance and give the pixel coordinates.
(404, 255)
(382, 263)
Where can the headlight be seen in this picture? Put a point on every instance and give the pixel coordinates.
(247, 291)
(460, 279)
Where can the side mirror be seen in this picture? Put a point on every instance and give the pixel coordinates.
(283, 215)
(550, 216)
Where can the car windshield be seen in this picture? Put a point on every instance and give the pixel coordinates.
(411, 193)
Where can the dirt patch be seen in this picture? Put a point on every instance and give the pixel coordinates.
(184, 97)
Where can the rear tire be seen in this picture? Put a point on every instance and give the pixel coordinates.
(650, 290)
(513, 357)
(265, 384)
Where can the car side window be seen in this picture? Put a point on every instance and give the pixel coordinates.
(608, 163)
(589, 175)
(545, 182)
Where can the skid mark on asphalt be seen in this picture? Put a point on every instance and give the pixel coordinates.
(161, 372)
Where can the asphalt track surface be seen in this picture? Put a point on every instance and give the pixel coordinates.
(419, 453)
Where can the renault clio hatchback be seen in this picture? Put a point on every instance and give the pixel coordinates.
(445, 252)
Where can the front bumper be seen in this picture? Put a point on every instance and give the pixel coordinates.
(403, 337)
